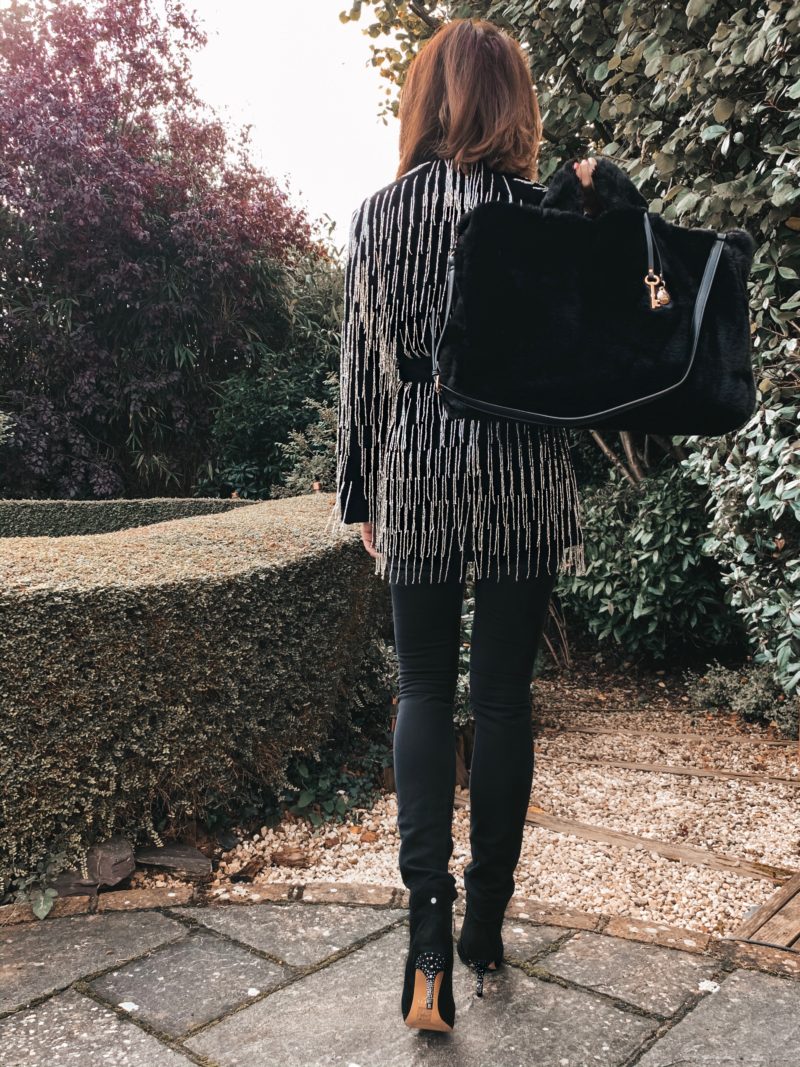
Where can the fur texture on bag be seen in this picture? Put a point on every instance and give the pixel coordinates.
(550, 313)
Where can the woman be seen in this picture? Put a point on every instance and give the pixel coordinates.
(433, 493)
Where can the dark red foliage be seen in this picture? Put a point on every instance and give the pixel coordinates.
(140, 246)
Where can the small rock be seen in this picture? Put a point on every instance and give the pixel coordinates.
(110, 861)
(185, 860)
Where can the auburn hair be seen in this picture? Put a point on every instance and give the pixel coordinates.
(467, 96)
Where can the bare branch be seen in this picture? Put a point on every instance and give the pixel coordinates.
(631, 454)
(421, 13)
(609, 453)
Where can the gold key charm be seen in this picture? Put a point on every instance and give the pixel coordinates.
(658, 292)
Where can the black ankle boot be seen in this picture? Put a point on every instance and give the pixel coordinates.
(427, 1001)
(480, 945)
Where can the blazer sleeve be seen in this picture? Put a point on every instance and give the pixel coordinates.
(527, 192)
(356, 380)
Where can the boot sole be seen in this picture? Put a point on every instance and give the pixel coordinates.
(419, 1017)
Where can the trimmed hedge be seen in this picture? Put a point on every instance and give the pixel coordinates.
(173, 665)
(61, 518)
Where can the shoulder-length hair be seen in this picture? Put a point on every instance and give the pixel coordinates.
(467, 96)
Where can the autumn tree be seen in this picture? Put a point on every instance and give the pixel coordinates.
(142, 252)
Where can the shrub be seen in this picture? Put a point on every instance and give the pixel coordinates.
(155, 675)
(142, 251)
(648, 585)
(266, 412)
(312, 451)
(754, 530)
(751, 692)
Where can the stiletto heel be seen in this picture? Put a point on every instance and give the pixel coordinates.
(479, 966)
(430, 963)
(430, 971)
(480, 959)
(427, 1001)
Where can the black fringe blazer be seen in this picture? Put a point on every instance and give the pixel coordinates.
(437, 488)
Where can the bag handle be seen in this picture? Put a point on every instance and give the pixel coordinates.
(577, 420)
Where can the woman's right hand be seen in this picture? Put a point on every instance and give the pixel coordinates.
(584, 170)
(366, 537)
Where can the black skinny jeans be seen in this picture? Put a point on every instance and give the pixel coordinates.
(507, 627)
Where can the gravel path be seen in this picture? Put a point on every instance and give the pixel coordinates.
(759, 821)
(739, 818)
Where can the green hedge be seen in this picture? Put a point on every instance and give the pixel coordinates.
(61, 518)
(175, 666)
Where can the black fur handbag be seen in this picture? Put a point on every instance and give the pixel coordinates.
(619, 320)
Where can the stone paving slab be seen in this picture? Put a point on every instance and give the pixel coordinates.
(41, 957)
(655, 979)
(71, 1030)
(298, 934)
(201, 992)
(522, 941)
(191, 982)
(349, 1013)
(752, 1021)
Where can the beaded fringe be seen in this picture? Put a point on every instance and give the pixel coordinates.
(423, 470)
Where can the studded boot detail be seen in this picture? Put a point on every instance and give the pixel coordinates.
(480, 946)
(427, 1001)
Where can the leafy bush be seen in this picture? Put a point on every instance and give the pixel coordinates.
(751, 692)
(6, 426)
(648, 585)
(142, 251)
(268, 415)
(348, 772)
(156, 675)
(754, 531)
(312, 451)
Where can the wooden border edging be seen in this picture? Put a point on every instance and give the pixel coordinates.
(671, 768)
(698, 857)
(686, 853)
(744, 739)
(777, 917)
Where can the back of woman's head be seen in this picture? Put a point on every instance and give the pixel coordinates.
(468, 96)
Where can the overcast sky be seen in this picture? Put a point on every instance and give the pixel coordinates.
(302, 79)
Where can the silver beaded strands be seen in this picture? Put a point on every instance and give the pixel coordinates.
(423, 472)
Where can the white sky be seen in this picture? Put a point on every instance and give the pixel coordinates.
(303, 79)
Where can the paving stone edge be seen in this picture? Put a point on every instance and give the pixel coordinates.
(739, 953)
